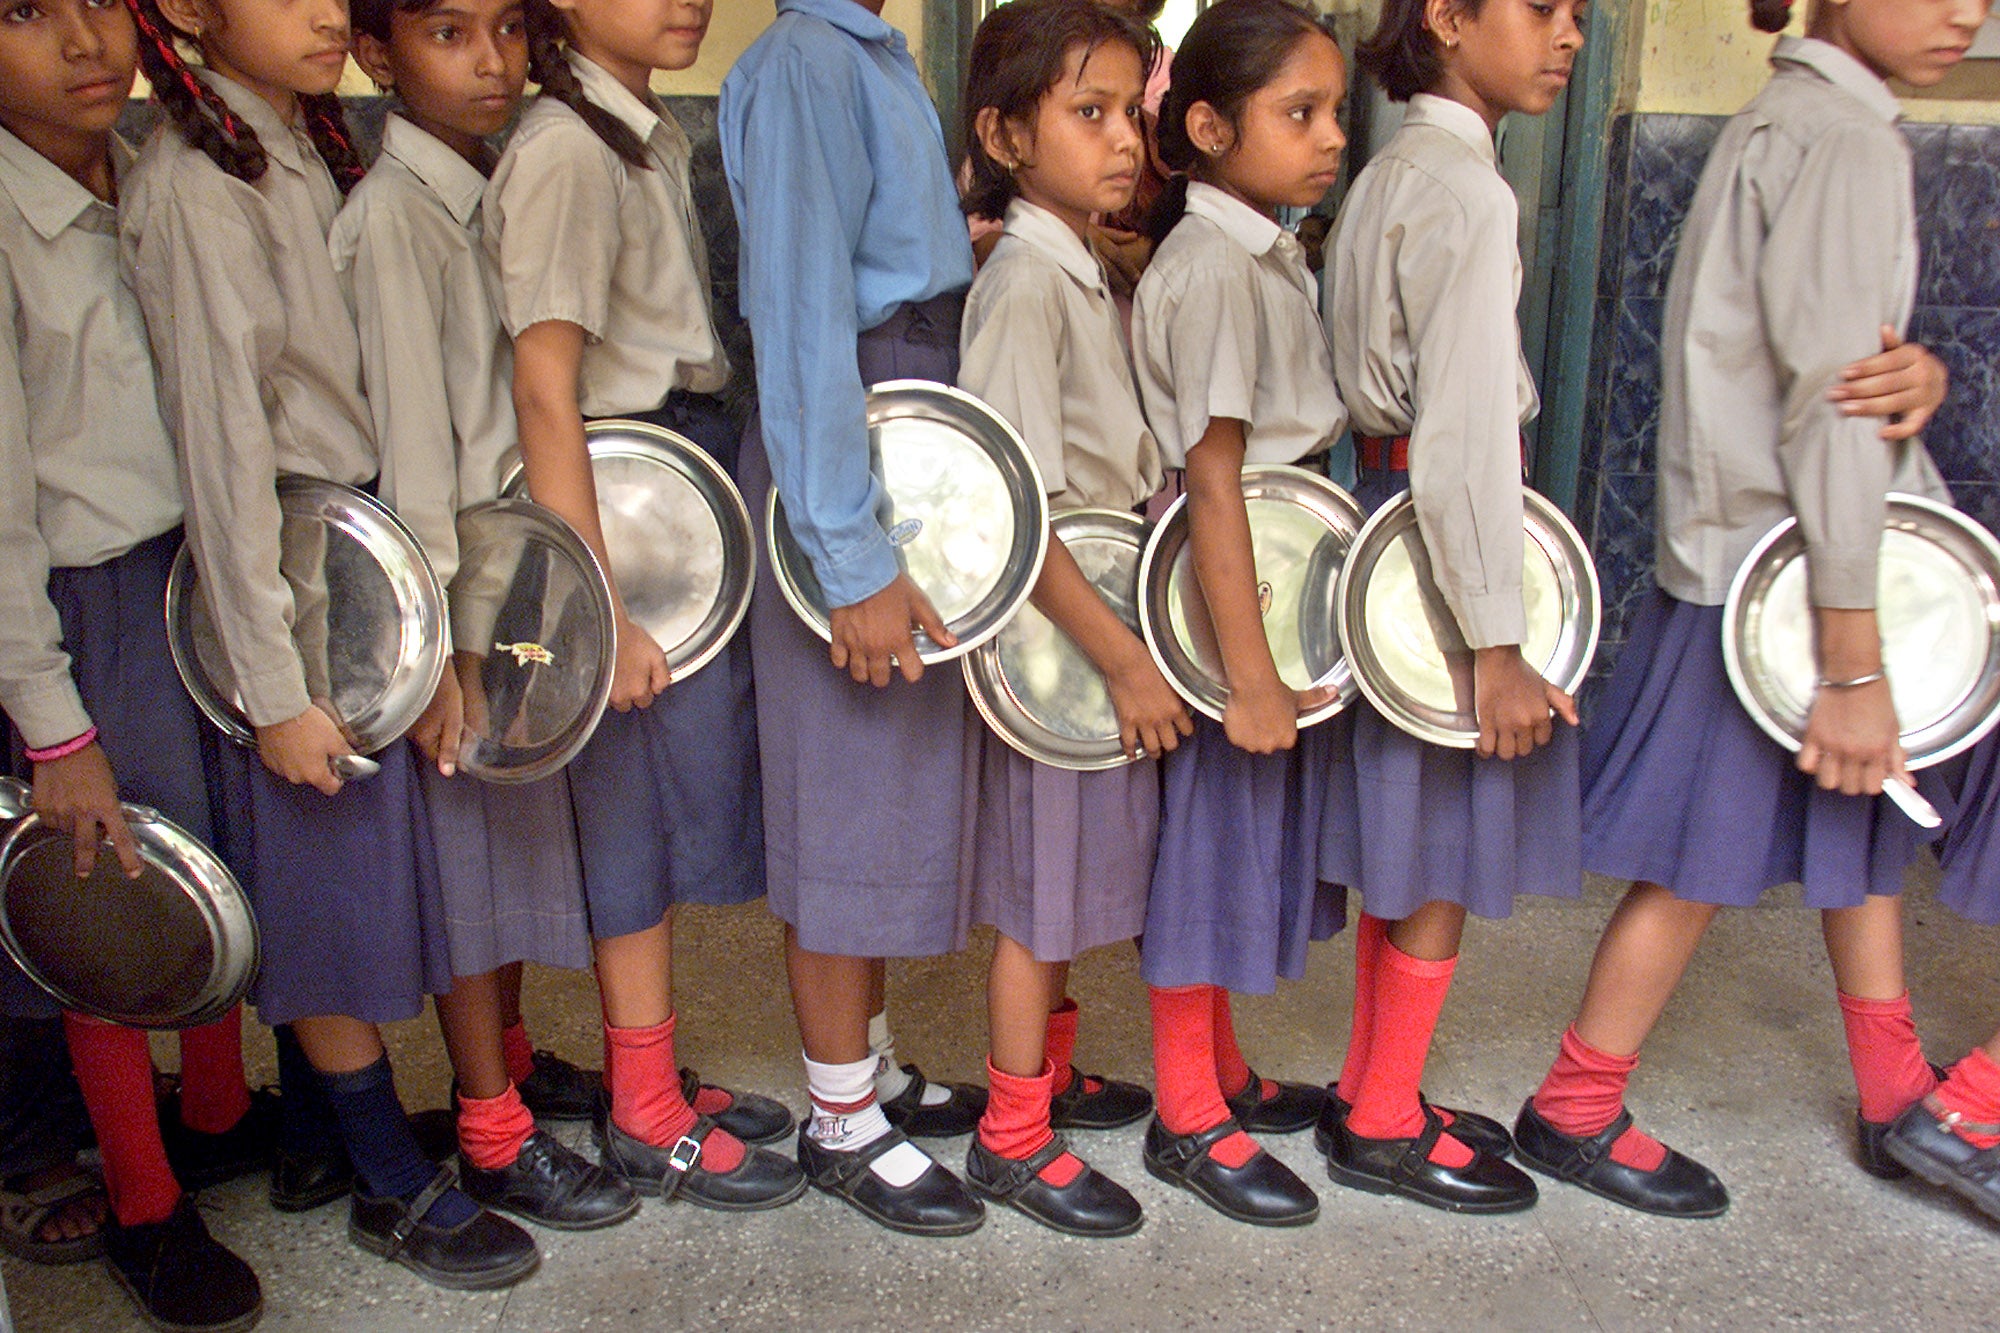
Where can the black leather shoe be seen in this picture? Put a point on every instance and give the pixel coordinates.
(761, 1180)
(182, 1277)
(1090, 1205)
(1091, 1102)
(1295, 1106)
(752, 1118)
(1263, 1191)
(553, 1187)
(1870, 1144)
(958, 1114)
(1679, 1187)
(1403, 1167)
(1477, 1132)
(202, 1160)
(559, 1090)
(484, 1253)
(303, 1182)
(1921, 1139)
(936, 1203)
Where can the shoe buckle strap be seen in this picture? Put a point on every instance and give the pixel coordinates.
(1957, 1123)
(681, 1159)
(414, 1211)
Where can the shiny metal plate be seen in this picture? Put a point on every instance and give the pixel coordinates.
(678, 535)
(368, 617)
(177, 947)
(535, 638)
(1938, 608)
(1033, 685)
(962, 504)
(1409, 657)
(1301, 526)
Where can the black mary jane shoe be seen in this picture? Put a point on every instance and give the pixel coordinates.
(301, 1182)
(1403, 1167)
(1921, 1138)
(1871, 1143)
(558, 1090)
(1293, 1107)
(956, 1115)
(203, 1160)
(1091, 1205)
(181, 1277)
(1110, 1104)
(1678, 1187)
(755, 1119)
(761, 1180)
(1477, 1132)
(936, 1203)
(484, 1253)
(1263, 1191)
(551, 1186)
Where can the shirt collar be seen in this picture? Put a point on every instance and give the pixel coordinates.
(283, 144)
(847, 15)
(645, 116)
(1842, 70)
(1240, 222)
(47, 196)
(455, 181)
(1454, 118)
(1043, 231)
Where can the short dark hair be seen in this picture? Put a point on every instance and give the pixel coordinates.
(1018, 55)
(374, 16)
(1770, 15)
(1402, 52)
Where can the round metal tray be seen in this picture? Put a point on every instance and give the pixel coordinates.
(1938, 609)
(1409, 656)
(536, 639)
(368, 617)
(1301, 527)
(1033, 685)
(962, 503)
(678, 535)
(176, 947)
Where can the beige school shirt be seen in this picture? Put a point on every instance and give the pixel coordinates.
(1043, 346)
(1801, 243)
(87, 469)
(581, 237)
(1224, 324)
(1423, 274)
(259, 365)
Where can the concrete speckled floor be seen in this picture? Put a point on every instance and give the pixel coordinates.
(1748, 1073)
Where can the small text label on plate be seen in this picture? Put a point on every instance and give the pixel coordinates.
(526, 652)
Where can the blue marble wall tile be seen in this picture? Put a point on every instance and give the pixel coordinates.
(1958, 212)
(1618, 175)
(1632, 388)
(1623, 544)
(1964, 437)
(1667, 156)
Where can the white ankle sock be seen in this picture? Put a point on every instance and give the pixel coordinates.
(844, 1085)
(890, 1080)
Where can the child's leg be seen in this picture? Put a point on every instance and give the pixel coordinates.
(516, 1046)
(1412, 977)
(1865, 946)
(1020, 994)
(114, 1068)
(472, 1019)
(214, 1093)
(918, 1105)
(1190, 1093)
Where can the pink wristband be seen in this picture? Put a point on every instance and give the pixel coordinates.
(66, 749)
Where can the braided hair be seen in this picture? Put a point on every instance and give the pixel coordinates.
(1771, 15)
(206, 121)
(547, 34)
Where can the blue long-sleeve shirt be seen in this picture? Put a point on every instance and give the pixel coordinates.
(847, 209)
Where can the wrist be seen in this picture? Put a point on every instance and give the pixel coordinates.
(74, 745)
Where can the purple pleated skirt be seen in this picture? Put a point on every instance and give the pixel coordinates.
(867, 792)
(1682, 790)
(1062, 861)
(509, 872)
(1236, 895)
(667, 798)
(1966, 792)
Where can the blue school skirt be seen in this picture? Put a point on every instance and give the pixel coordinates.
(1966, 791)
(868, 793)
(509, 871)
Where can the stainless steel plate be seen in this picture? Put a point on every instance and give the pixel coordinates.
(532, 622)
(176, 947)
(1409, 657)
(678, 534)
(368, 617)
(962, 504)
(1938, 607)
(1033, 685)
(1301, 526)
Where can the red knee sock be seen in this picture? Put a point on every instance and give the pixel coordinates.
(1409, 995)
(1016, 1123)
(1059, 1042)
(214, 1095)
(1889, 1066)
(1369, 937)
(1190, 1098)
(646, 1100)
(519, 1052)
(115, 1070)
(1232, 1071)
(1972, 1088)
(1584, 1093)
(491, 1130)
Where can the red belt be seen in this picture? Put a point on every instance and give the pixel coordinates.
(1383, 453)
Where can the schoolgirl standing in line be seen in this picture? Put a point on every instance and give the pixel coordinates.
(90, 515)
(604, 289)
(1801, 245)
(224, 222)
(854, 266)
(1234, 368)
(1062, 859)
(1423, 276)
(436, 363)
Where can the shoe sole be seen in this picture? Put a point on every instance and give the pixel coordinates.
(906, 1228)
(1254, 1126)
(1056, 1122)
(1943, 1177)
(306, 1203)
(493, 1281)
(557, 1224)
(1252, 1219)
(236, 1325)
(991, 1196)
(1539, 1167)
(1376, 1185)
(784, 1135)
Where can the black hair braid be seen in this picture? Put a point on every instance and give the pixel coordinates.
(1771, 15)
(201, 116)
(548, 67)
(326, 122)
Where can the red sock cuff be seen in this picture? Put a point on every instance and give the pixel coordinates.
(491, 1130)
(518, 1051)
(214, 1094)
(1424, 969)
(115, 1071)
(1855, 1004)
(645, 1085)
(1594, 1060)
(1059, 1043)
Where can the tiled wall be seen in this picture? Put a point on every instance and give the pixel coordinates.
(1655, 163)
